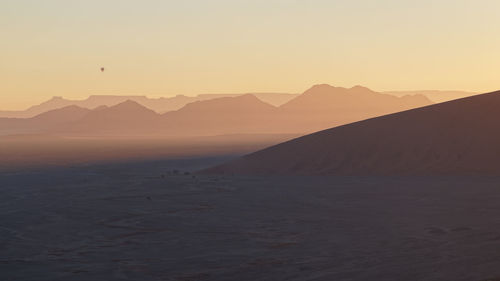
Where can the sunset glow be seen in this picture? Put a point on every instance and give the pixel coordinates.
(163, 48)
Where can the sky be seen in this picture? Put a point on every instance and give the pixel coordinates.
(163, 47)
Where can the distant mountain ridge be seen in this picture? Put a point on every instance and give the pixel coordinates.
(434, 95)
(323, 106)
(159, 105)
(126, 118)
(229, 115)
(320, 107)
(43, 123)
(166, 104)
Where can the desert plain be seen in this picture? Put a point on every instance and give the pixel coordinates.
(161, 220)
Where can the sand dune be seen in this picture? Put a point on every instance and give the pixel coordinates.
(456, 137)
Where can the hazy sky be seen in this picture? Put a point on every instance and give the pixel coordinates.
(163, 47)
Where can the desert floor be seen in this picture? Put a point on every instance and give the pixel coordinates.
(157, 220)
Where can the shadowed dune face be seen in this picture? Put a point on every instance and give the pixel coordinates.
(456, 137)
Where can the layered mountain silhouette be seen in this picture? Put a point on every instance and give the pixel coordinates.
(52, 120)
(433, 95)
(126, 118)
(320, 107)
(163, 105)
(159, 105)
(231, 115)
(60, 102)
(324, 106)
(456, 137)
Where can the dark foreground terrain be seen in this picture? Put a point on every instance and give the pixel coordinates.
(145, 221)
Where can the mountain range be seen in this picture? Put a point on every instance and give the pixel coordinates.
(434, 95)
(163, 105)
(320, 107)
(324, 106)
(159, 105)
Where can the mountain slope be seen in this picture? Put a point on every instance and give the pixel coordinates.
(66, 114)
(433, 95)
(160, 105)
(126, 118)
(324, 106)
(229, 115)
(456, 137)
(42, 123)
(320, 107)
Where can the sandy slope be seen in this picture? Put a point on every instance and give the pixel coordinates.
(459, 136)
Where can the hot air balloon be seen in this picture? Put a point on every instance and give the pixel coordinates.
(102, 69)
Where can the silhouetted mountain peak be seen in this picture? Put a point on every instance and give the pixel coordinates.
(130, 105)
(69, 108)
(130, 108)
(359, 88)
(331, 90)
(242, 102)
(98, 97)
(64, 114)
(247, 97)
(321, 88)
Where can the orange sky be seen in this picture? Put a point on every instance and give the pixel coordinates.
(162, 48)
